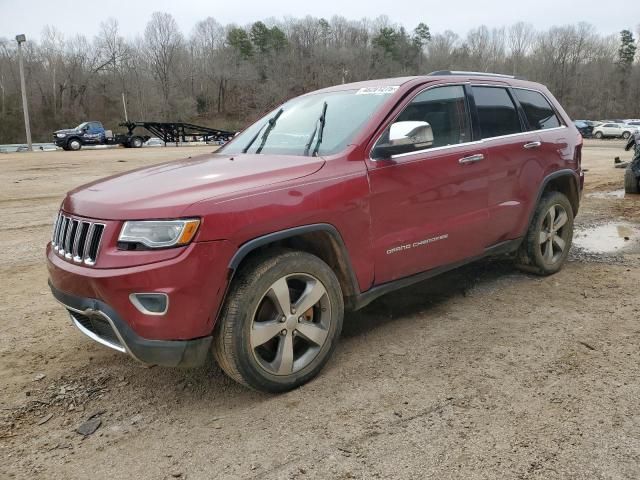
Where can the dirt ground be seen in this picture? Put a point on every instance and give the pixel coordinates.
(484, 373)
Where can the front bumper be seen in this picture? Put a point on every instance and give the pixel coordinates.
(101, 323)
(98, 300)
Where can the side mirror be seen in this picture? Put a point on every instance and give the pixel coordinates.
(404, 137)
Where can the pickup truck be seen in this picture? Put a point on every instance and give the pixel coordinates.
(93, 133)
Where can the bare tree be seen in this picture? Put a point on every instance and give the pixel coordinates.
(164, 43)
(228, 75)
(521, 36)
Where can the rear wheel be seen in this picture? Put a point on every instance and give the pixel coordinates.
(136, 142)
(546, 245)
(74, 144)
(631, 182)
(626, 135)
(281, 321)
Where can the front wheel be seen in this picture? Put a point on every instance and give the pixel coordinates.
(546, 245)
(74, 144)
(598, 135)
(626, 135)
(281, 321)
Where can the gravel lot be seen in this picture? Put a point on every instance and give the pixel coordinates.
(483, 373)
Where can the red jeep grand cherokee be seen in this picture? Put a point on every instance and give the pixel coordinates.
(333, 199)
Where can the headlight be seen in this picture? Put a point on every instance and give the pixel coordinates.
(60, 135)
(159, 233)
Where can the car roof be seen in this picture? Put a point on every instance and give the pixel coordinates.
(452, 77)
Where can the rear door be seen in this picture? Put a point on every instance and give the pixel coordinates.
(513, 154)
(429, 204)
(557, 149)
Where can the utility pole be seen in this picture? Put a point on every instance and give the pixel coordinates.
(21, 39)
(124, 104)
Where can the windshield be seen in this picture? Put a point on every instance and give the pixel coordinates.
(289, 132)
(82, 125)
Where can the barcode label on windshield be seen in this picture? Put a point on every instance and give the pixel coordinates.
(377, 90)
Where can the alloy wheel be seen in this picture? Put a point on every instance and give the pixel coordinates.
(290, 324)
(552, 236)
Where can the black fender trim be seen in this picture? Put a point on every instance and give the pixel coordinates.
(567, 172)
(251, 245)
(345, 258)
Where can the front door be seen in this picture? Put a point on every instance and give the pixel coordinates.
(428, 203)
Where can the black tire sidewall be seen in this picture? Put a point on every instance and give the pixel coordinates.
(285, 264)
(631, 182)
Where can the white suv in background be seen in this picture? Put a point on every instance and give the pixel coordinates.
(615, 130)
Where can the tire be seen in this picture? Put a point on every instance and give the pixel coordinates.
(136, 142)
(626, 135)
(631, 182)
(534, 254)
(254, 333)
(74, 144)
(598, 135)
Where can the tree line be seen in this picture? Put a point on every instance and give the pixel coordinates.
(226, 76)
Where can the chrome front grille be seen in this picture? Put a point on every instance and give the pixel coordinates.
(77, 239)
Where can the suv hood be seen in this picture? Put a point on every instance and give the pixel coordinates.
(166, 190)
(67, 131)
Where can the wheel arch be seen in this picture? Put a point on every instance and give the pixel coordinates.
(563, 181)
(321, 239)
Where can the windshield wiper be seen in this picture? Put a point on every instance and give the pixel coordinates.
(321, 120)
(271, 123)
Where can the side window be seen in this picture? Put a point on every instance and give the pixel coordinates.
(496, 112)
(435, 118)
(539, 112)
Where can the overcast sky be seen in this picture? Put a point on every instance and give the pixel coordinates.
(84, 16)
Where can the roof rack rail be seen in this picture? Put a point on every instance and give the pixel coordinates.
(480, 74)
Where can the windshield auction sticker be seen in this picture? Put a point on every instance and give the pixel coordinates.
(377, 90)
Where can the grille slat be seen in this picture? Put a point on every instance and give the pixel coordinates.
(81, 239)
(71, 236)
(63, 234)
(56, 228)
(77, 239)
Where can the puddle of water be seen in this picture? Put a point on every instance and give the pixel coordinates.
(607, 238)
(612, 194)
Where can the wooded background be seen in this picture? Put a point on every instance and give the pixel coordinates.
(227, 76)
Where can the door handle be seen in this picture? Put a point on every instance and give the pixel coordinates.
(532, 145)
(471, 159)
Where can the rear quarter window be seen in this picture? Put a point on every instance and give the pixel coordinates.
(540, 114)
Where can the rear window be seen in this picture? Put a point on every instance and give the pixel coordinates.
(496, 112)
(537, 109)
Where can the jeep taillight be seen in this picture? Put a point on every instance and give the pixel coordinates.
(577, 155)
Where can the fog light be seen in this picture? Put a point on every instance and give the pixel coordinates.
(150, 303)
